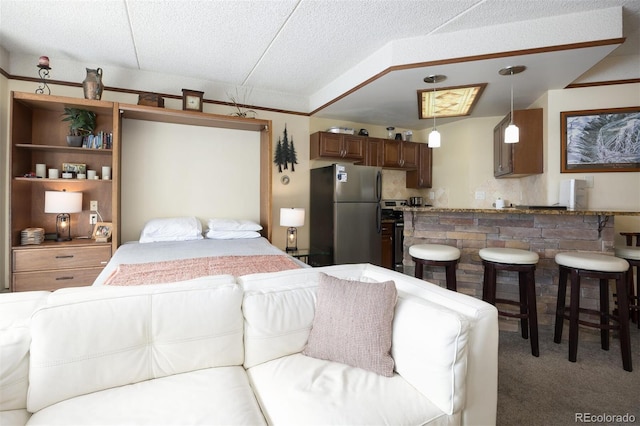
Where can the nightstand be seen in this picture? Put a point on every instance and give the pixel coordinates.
(308, 256)
(53, 265)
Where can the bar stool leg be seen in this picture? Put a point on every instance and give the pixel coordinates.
(623, 319)
(574, 308)
(452, 284)
(533, 313)
(523, 284)
(489, 284)
(560, 304)
(604, 314)
(419, 270)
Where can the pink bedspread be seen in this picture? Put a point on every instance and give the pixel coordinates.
(187, 269)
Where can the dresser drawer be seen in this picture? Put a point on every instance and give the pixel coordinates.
(53, 280)
(41, 259)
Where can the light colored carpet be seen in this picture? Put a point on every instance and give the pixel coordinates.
(550, 390)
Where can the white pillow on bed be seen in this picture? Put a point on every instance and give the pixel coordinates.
(172, 229)
(233, 225)
(231, 235)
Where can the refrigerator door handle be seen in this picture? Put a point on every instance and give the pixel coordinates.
(378, 186)
(379, 219)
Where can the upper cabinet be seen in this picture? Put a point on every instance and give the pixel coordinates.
(421, 178)
(520, 159)
(327, 145)
(397, 154)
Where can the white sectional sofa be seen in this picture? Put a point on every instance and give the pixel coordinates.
(225, 351)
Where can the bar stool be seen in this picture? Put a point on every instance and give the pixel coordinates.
(436, 255)
(604, 268)
(632, 256)
(524, 262)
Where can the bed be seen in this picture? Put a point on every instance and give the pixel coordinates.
(153, 260)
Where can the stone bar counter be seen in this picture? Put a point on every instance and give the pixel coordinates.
(545, 232)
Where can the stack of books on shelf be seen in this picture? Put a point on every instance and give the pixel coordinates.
(102, 140)
(31, 236)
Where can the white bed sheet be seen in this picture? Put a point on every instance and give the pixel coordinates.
(135, 252)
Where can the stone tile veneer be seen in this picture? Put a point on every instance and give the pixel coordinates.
(545, 232)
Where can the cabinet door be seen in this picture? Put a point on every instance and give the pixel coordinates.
(387, 246)
(525, 157)
(330, 145)
(373, 152)
(353, 147)
(410, 154)
(391, 153)
(421, 178)
(502, 152)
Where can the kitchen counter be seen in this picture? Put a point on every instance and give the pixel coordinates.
(524, 210)
(544, 231)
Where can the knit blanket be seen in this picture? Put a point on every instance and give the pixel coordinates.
(187, 269)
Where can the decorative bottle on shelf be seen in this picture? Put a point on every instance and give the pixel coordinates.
(92, 84)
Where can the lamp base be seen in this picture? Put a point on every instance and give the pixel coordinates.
(292, 239)
(63, 227)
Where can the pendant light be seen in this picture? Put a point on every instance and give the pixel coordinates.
(512, 133)
(434, 136)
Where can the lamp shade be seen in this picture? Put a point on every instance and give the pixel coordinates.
(62, 202)
(291, 217)
(434, 139)
(512, 134)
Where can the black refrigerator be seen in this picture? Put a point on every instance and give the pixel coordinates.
(345, 214)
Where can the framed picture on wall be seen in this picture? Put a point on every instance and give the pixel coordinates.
(602, 140)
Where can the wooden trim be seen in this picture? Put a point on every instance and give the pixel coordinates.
(471, 59)
(603, 83)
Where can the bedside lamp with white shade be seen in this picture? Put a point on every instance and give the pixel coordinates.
(63, 203)
(292, 217)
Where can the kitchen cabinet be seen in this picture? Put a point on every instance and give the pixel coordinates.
(327, 145)
(387, 245)
(511, 160)
(421, 178)
(397, 154)
(373, 156)
(53, 265)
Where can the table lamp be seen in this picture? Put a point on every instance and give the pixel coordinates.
(63, 203)
(292, 217)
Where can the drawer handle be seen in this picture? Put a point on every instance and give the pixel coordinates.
(63, 278)
(64, 256)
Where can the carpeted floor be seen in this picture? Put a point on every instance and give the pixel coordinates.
(550, 390)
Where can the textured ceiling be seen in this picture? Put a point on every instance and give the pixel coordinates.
(309, 55)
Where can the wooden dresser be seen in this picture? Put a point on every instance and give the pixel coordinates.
(54, 265)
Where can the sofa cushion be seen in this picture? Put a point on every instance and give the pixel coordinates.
(352, 324)
(15, 337)
(213, 396)
(125, 337)
(300, 390)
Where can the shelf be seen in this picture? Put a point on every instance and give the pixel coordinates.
(63, 148)
(59, 103)
(60, 180)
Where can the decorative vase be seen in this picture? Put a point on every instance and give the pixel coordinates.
(92, 84)
(75, 141)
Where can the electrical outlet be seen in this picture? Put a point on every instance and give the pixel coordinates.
(93, 218)
(479, 195)
(432, 195)
(93, 206)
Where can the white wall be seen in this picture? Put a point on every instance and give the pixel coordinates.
(4, 182)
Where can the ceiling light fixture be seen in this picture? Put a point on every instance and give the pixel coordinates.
(434, 136)
(512, 133)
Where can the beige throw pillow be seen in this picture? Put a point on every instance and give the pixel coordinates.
(352, 324)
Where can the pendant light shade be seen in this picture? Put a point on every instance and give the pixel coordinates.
(434, 139)
(434, 136)
(512, 133)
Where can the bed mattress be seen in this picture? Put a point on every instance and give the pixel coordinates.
(139, 253)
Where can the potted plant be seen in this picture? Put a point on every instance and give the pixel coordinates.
(82, 122)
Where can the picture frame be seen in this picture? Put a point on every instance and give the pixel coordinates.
(74, 168)
(600, 140)
(102, 232)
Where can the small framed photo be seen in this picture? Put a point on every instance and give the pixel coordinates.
(74, 168)
(102, 232)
